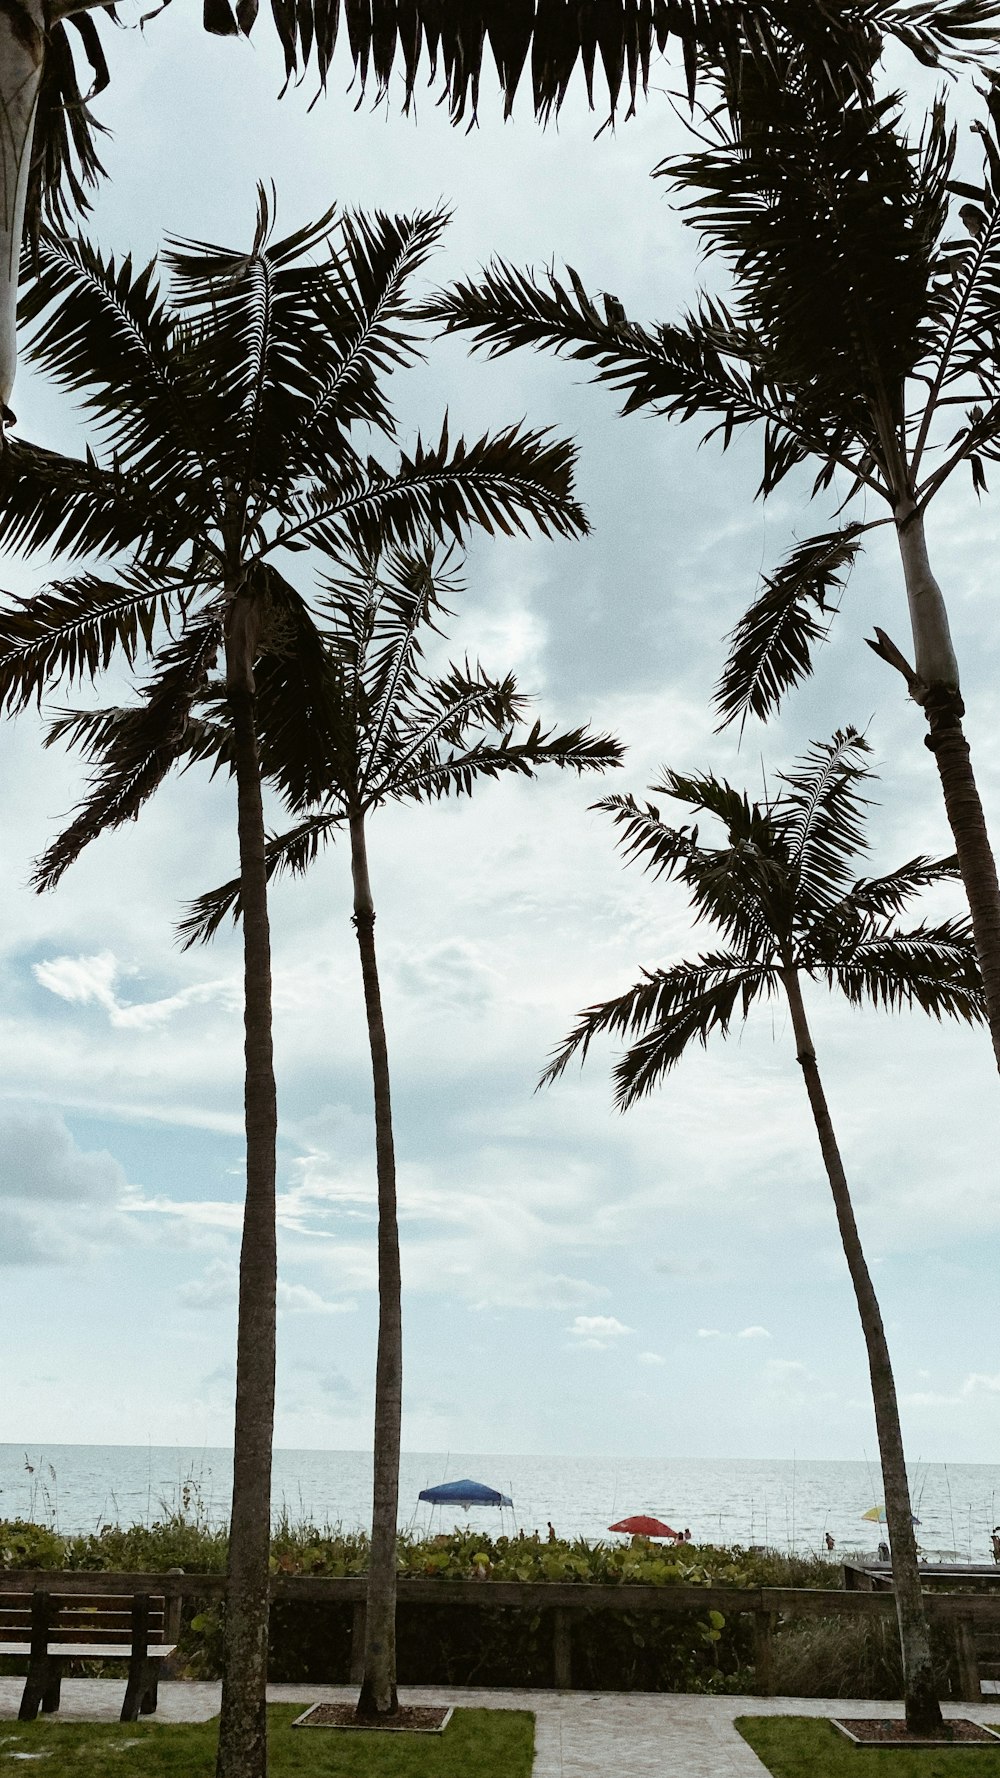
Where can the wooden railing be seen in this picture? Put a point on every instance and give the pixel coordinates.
(964, 1613)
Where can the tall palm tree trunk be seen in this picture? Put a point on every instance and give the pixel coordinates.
(923, 1712)
(937, 673)
(243, 1725)
(378, 1689)
(22, 53)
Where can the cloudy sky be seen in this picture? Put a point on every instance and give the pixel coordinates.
(664, 1284)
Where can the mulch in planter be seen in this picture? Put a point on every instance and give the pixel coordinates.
(886, 1731)
(412, 1719)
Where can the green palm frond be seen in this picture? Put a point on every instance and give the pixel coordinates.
(933, 967)
(142, 746)
(430, 774)
(647, 840)
(71, 629)
(889, 894)
(362, 303)
(102, 330)
(666, 1010)
(500, 482)
(771, 646)
(822, 813)
(65, 163)
(293, 851)
(828, 219)
(75, 508)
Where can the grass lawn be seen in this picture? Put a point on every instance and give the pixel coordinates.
(808, 1747)
(476, 1744)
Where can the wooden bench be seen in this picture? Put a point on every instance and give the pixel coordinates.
(53, 1628)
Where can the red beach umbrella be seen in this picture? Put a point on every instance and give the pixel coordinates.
(643, 1526)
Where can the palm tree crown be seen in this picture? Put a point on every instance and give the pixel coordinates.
(229, 419)
(359, 721)
(780, 893)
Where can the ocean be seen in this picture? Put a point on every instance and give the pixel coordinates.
(783, 1504)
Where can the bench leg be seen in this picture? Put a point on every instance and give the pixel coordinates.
(50, 1696)
(148, 1701)
(133, 1691)
(36, 1687)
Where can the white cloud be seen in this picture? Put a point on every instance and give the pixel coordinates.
(87, 981)
(781, 1370)
(597, 1331)
(651, 1358)
(217, 1287)
(299, 1299)
(753, 1333)
(710, 1333)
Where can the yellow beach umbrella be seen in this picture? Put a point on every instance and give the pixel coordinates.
(877, 1515)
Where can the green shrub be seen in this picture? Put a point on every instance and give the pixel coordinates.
(613, 1651)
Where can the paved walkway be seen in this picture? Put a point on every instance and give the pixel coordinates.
(577, 1734)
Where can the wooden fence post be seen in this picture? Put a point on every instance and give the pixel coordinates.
(562, 1648)
(765, 1623)
(172, 1613)
(969, 1687)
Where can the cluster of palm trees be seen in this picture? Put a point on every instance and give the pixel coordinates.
(860, 331)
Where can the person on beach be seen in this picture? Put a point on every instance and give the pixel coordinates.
(995, 1542)
(830, 1544)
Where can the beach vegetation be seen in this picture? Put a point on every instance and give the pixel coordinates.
(612, 1651)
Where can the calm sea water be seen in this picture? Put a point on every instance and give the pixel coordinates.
(782, 1504)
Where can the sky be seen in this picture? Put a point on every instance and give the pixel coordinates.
(664, 1284)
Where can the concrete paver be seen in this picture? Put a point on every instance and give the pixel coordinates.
(577, 1734)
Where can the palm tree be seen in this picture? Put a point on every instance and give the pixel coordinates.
(779, 892)
(863, 333)
(373, 727)
(49, 150)
(228, 417)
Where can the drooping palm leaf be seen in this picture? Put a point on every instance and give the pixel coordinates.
(933, 967)
(771, 646)
(71, 631)
(666, 1010)
(141, 747)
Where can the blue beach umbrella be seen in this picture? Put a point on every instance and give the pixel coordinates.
(465, 1494)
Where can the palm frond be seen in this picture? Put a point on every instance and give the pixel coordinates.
(889, 894)
(72, 507)
(933, 967)
(65, 164)
(499, 482)
(822, 812)
(666, 1010)
(143, 744)
(102, 330)
(771, 646)
(361, 304)
(293, 851)
(429, 774)
(72, 629)
(964, 299)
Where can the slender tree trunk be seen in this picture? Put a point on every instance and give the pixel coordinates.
(378, 1690)
(22, 52)
(938, 692)
(923, 1712)
(243, 1725)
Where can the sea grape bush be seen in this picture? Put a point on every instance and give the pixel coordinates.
(699, 1651)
